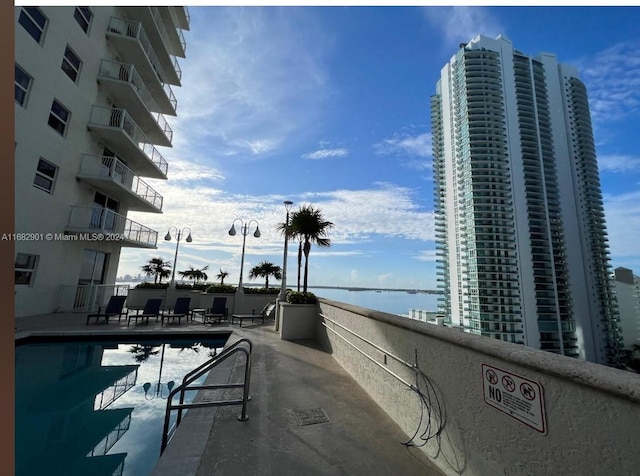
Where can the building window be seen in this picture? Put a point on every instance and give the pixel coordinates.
(83, 17)
(71, 64)
(59, 117)
(23, 83)
(45, 176)
(25, 268)
(33, 20)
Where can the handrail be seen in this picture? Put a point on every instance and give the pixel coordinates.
(198, 372)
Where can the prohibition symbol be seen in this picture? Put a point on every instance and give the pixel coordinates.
(492, 377)
(508, 383)
(527, 391)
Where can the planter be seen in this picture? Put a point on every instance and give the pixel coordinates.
(298, 321)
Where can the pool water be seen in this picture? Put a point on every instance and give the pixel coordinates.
(97, 408)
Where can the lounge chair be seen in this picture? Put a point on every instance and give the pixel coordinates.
(180, 310)
(217, 312)
(114, 308)
(264, 313)
(151, 309)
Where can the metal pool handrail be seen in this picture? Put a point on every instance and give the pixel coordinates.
(199, 371)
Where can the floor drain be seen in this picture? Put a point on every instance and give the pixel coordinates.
(312, 416)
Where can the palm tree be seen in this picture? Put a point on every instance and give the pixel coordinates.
(264, 270)
(196, 274)
(158, 268)
(221, 275)
(309, 225)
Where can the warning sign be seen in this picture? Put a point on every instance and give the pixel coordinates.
(516, 396)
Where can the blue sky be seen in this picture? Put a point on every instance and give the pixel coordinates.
(330, 106)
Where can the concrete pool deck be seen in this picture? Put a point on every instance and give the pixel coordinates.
(289, 379)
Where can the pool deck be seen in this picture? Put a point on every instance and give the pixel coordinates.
(287, 379)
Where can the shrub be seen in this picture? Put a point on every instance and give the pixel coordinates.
(195, 287)
(221, 288)
(261, 291)
(295, 297)
(146, 285)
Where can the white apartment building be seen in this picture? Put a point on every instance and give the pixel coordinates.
(520, 228)
(627, 287)
(92, 88)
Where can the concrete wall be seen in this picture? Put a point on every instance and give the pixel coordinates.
(591, 412)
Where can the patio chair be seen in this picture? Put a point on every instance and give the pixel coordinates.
(114, 308)
(217, 312)
(151, 309)
(264, 313)
(180, 310)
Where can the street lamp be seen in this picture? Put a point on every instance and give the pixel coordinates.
(244, 229)
(283, 289)
(179, 234)
(159, 386)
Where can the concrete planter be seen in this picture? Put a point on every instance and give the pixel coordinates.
(298, 321)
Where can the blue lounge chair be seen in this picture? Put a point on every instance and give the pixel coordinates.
(114, 308)
(180, 310)
(151, 309)
(217, 312)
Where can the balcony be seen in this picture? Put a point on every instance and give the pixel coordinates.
(120, 132)
(174, 30)
(156, 29)
(134, 46)
(110, 226)
(123, 82)
(140, 103)
(182, 16)
(113, 177)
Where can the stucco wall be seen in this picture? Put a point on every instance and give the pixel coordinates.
(592, 412)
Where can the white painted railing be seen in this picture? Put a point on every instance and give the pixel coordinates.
(102, 220)
(88, 297)
(103, 167)
(112, 117)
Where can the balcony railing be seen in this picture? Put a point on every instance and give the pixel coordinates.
(134, 29)
(164, 33)
(118, 118)
(116, 227)
(111, 168)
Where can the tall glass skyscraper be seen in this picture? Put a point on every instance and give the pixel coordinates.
(520, 228)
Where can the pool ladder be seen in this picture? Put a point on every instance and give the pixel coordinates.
(198, 372)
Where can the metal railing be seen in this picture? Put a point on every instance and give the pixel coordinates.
(155, 13)
(119, 118)
(134, 29)
(103, 167)
(88, 297)
(198, 372)
(102, 220)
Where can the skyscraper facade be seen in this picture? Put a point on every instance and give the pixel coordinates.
(93, 87)
(520, 228)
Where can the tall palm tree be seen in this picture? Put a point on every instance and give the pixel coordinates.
(264, 270)
(221, 275)
(310, 226)
(158, 268)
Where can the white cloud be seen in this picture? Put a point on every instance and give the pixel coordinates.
(619, 163)
(612, 78)
(427, 255)
(325, 154)
(623, 224)
(461, 24)
(405, 145)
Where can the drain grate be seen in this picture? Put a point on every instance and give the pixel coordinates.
(312, 416)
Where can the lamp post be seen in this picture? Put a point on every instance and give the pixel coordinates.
(179, 234)
(283, 289)
(159, 386)
(244, 229)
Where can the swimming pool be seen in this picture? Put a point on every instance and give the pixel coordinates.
(97, 407)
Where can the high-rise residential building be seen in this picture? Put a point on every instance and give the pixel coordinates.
(92, 88)
(627, 288)
(520, 226)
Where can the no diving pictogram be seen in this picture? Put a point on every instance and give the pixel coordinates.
(508, 383)
(492, 377)
(527, 391)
